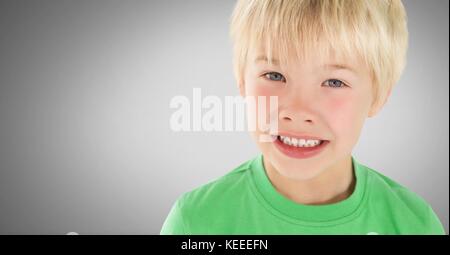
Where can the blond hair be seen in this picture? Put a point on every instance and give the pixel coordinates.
(373, 30)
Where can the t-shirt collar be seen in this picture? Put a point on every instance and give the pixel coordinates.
(315, 213)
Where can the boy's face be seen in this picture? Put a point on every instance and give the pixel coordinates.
(327, 101)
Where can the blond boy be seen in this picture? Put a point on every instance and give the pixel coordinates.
(331, 64)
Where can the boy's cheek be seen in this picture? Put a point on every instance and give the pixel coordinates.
(342, 113)
(257, 89)
(346, 121)
(261, 93)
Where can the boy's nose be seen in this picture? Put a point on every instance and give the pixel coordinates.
(296, 118)
(298, 111)
(291, 119)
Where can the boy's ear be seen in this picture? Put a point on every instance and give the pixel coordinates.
(375, 108)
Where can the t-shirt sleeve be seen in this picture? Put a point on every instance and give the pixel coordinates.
(434, 224)
(174, 223)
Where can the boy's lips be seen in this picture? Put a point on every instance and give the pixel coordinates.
(299, 152)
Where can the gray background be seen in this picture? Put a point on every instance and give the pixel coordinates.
(85, 86)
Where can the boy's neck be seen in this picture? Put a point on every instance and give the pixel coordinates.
(331, 186)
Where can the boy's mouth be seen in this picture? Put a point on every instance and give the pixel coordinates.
(300, 142)
(300, 147)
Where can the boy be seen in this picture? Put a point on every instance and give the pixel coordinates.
(331, 64)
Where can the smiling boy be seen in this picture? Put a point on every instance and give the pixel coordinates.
(331, 64)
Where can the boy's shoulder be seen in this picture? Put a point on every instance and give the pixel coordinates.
(388, 197)
(382, 185)
(219, 190)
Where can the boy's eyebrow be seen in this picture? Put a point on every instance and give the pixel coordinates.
(265, 59)
(336, 66)
(340, 67)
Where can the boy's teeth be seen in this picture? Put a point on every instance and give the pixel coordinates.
(299, 142)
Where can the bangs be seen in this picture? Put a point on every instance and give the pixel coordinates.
(288, 30)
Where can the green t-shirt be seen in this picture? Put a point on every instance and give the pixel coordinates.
(245, 202)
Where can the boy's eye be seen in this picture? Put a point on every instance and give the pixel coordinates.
(334, 83)
(274, 76)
